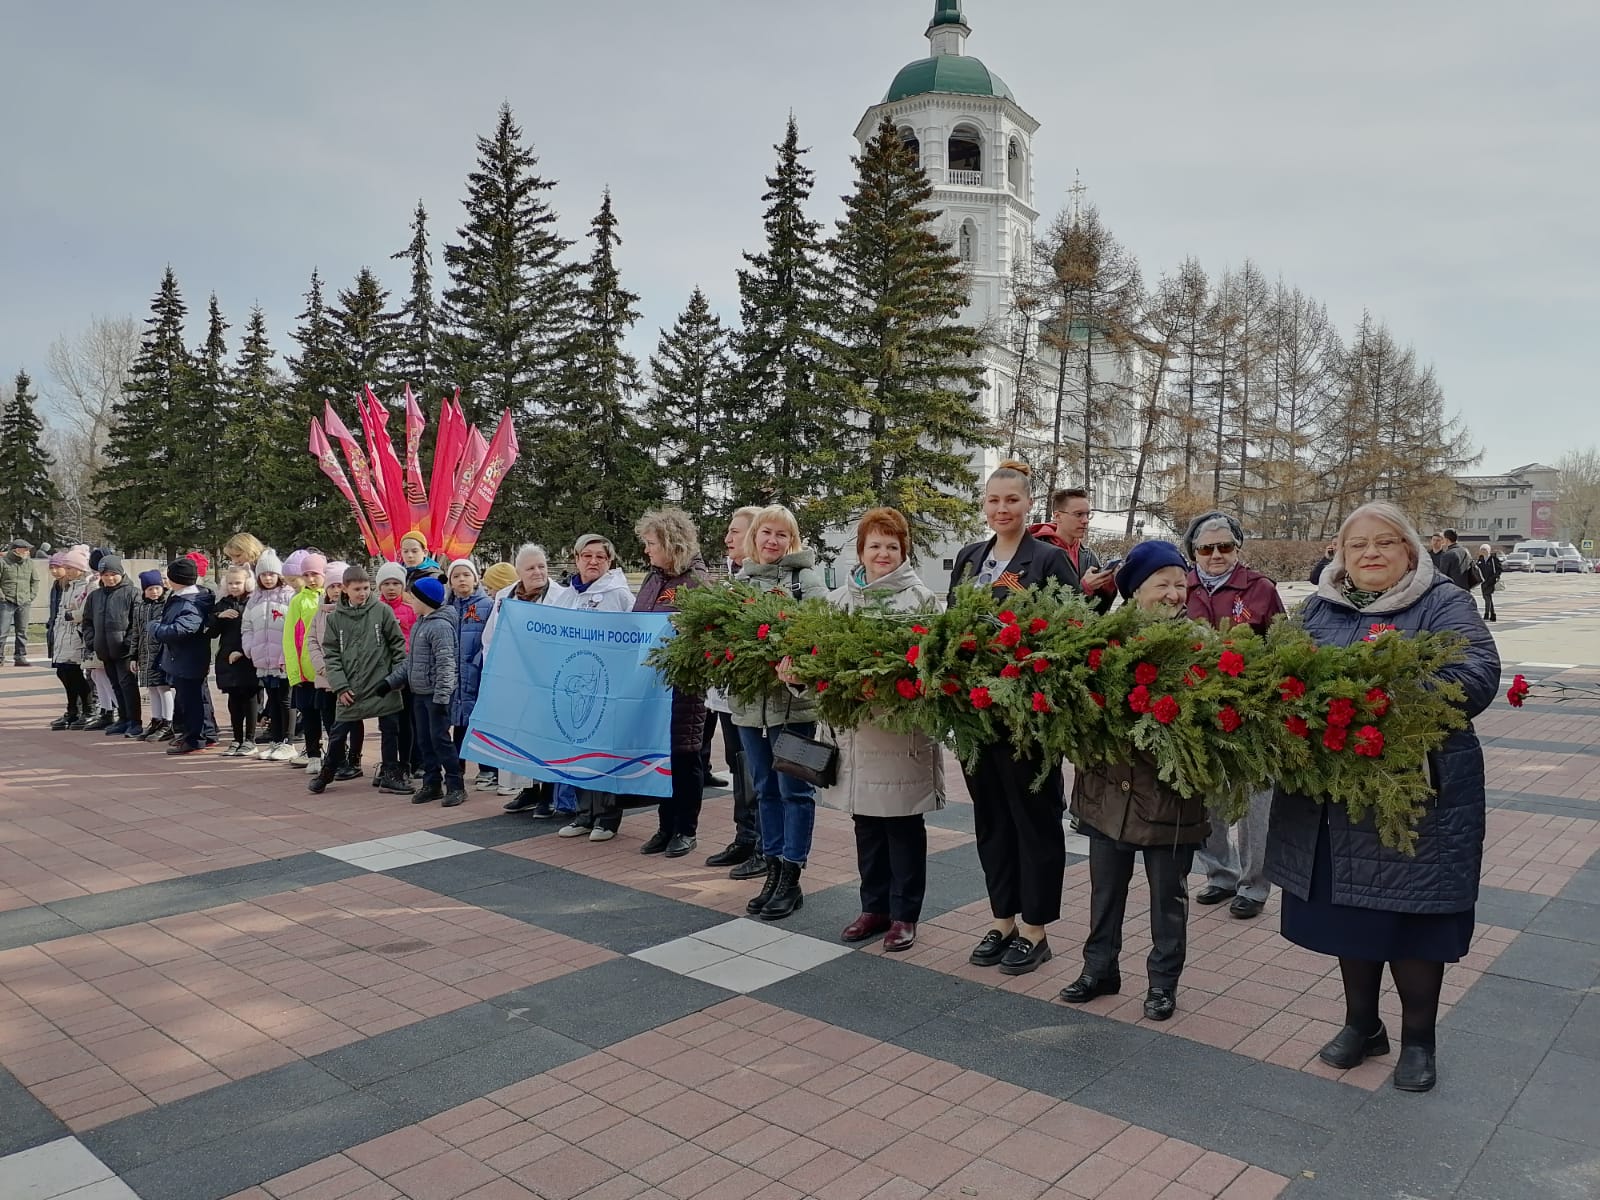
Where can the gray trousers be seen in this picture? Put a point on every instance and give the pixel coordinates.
(14, 619)
(1240, 868)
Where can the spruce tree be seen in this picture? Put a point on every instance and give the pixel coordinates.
(28, 495)
(687, 414)
(313, 512)
(259, 443)
(776, 430)
(599, 478)
(366, 339)
(144, 503)
(899, 369)
(210, 411)
(417, 354)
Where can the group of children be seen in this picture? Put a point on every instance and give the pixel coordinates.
(324, 641)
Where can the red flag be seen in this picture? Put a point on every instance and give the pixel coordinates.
(365, 485)
(500, 454)
(416, 490)
(471, 459)
(387, 464)
(447, 447)
(328, 461)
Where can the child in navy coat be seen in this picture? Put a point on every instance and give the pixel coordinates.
(185, 656)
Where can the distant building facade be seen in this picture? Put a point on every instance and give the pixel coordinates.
(1502, 510)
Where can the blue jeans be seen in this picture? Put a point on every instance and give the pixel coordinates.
(788, 806)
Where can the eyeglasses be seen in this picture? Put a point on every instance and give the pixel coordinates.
(1216, 548)
(1080, 514)
(1383, 545)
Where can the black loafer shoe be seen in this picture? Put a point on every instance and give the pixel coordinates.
(1211, 894)
(525, 799)
(1024, 956)
(1244, 908)
(680, 845)
(732, 856)
(656, 843)
(992, 949)
(1160, 1003)
(1350, 1047)
(1414, 1070)
(1086, 988)
(753, 867)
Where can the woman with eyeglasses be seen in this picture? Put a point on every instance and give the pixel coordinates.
(1021, 843)
(1345, 893)
(1225, 592)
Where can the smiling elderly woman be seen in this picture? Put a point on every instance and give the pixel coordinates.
(1345, 893)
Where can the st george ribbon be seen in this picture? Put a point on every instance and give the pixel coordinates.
(566, 696)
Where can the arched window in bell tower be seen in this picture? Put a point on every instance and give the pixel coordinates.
(967, 243)
(908, 139)
(966, 149)
(1016, 168)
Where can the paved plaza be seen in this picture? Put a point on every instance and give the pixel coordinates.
(213, 984)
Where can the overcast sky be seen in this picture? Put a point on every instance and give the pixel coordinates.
(1435, 161)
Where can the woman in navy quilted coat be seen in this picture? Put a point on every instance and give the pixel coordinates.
(1347, 895)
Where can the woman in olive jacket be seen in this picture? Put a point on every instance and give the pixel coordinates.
(1125, 810)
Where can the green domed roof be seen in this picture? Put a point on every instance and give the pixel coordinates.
(953, 73)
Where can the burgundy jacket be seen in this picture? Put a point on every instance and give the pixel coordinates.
(659, 593)
(1248, 598)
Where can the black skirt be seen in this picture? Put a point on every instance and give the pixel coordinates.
(1371, 934)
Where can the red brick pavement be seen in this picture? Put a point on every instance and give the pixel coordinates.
(747, 1102)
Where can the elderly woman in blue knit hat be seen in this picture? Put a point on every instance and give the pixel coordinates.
(1224, 592)
(1125, 810)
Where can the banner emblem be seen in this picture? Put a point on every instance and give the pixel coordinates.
(578, 699)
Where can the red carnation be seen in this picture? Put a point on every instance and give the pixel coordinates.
(949, 687)
(1099, 700)
(1333, 737)
(913, 654)
(1298, 727)
(969, 643)
(1041, 665)
(814, 649)
(1165, 710)
(980, 697)
(710, 654)
(1008, 617)
(1010, 671)
(1378, 702)
(1145, 673)
(1113, 642)
(1369, 741)
(1378, 630)
(1341, 712)
(762, 631)
(919, 629)
(1038, 625)
(1041, 703)
(909, 689)
(1094, 659)
(1195, 674)
(822, 685)
(728, 654)
(1229, 719)
(1518, 691)
(1291, 689)
(1139, 699)
(1009, 636)
(1231, 663)
(1022, 653)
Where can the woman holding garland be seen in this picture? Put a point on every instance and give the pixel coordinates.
(1021, 842)
(1345, 893)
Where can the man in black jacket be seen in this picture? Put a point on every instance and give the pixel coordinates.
(1453, 561)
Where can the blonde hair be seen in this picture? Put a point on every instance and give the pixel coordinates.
(243, 545)
(674, 529)
(770, 515)
(248, 575)
(1014, 469)
(749, 512)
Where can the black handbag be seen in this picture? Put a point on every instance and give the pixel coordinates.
(807, 759)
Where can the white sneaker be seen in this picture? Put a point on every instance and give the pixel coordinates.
(280, 752)
(313, 765)
(247, 749)
(576, 829)
(233, 751)
(505, 789)
(485, 783)
(601, 835)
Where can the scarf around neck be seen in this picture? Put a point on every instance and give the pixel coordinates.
(1212, 582)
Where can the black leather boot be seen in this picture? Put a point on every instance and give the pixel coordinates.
(105, 720)
(755, 906)
(786, 899)
(350, 769)
(326, 774)
(65, 719)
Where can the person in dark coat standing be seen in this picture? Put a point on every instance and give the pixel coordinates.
(1224, 592)
(107, 632)
(1345, 893)
(185, 653)
(1322, 563)
(236, 674)
(1125, 810)
(673, 548)
(147, 652)
(1021, 842)
(1490, 569)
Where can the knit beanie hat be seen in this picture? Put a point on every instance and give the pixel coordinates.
(295, 564)
(314, 563)
(391, 570)
(333, 573)
(183, 572)
(76, 558)
(269, 564)
(1143, 561)
(463, 562)
(58, 559)
(201, 562)
(111, 564)
(1221, 521)
(499, 576)
(415, 535)
(150, 578)
(95, 556)
(429, 589)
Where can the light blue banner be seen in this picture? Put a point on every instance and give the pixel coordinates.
(566, 697)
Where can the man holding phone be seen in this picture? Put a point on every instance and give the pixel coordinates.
(1070, 511)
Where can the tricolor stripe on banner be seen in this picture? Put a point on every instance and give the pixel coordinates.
(575, 768)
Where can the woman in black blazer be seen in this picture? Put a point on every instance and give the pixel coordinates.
(1020, 839)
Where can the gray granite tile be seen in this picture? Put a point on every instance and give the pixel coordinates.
(412, 1046)
(611, 1001)
(26, 926)
(1508, 909)
(467, 872)
(1582, 1034)
(501, 829)
(1519, 1163)
(1518, 1011)
(1570, 919)
(1559, 1100)
(1556, 961)
(24, 1122)
(428, 1090)
(605, 914)
(1584, 886)
(1399, 1145)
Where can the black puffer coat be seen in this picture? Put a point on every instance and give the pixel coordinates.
(659, 594)
(228, 633)
(108, 620)
(1443, 875)
(145, 648)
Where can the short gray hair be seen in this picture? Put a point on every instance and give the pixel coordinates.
(528, 550)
